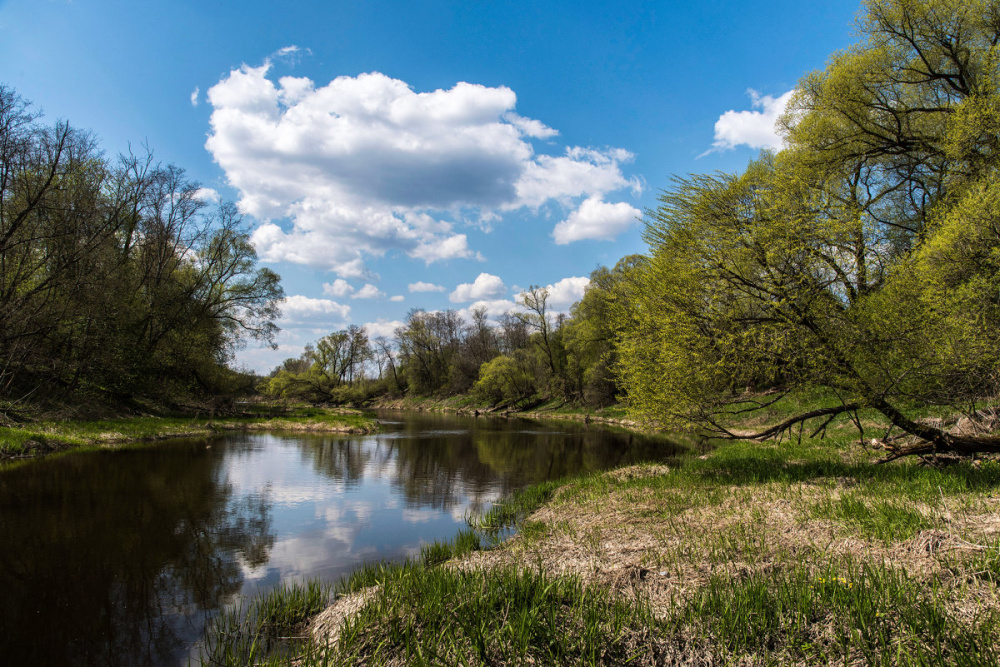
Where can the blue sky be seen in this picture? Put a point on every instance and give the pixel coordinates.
(428, 155)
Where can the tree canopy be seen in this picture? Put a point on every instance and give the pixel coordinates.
(117, 276)
(861, 258)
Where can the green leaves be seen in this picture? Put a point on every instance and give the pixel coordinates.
(864, 257)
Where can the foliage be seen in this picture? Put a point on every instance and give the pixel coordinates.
(507, 379)
(861, 258)
(118, 278)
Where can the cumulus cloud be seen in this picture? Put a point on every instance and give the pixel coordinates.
(365, 165)
(595, 219)
(397, 298)
(299, 309)
(421, 286)
(530, 127)
(486, 286)
(755, 129)
(581, 171)
(382, 327)
(368, 292)
(566, 292)
(338, 287)
(208, 195)
(494, 308)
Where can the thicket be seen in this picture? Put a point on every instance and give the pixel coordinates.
(118, 277)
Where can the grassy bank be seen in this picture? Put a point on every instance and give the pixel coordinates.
(777, 553)
(44, 437)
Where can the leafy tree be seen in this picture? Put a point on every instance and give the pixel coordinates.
(507, 379)
(589, 336)
(116, 278)
(861, 258)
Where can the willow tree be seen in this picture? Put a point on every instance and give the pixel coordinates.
(862, 258)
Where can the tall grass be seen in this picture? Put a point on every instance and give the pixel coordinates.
(506, 616)
(752, 597)
(848, 613)
(269, 629)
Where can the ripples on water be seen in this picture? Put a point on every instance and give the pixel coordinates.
(120, 557)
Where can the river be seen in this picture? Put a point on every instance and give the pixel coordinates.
(120, 557)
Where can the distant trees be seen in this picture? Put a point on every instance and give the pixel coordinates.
(327, 371)
(116, 277)
(865, 257)
(525, 356)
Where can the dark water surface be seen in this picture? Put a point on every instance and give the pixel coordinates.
(120, 557)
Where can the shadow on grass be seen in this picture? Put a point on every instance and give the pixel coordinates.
(768, 466)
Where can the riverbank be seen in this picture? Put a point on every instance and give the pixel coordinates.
(785, 553)
(46, 437)
(614, 415)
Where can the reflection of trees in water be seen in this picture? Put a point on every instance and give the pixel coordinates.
(342, 459)
(537, 456)
(119, 557)
(451, 460)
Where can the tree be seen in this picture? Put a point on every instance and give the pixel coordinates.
(589, 335)
(507, 379)
(116, 278)
(535, 301)
(861, 258)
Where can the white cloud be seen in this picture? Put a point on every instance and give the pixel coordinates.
(566, 292)
(194, 96)
(562, 294)
(286, 51)
(595, 219)
(446, 248)
(365, 166)
(397, 298)
(494, 308)
(208, 195)
(382, 327)
(486, 286)
(421, 286)
(755, 129)
(338, 287)
(530, 127)
(299, 309)
(368, 292)
(580, 172)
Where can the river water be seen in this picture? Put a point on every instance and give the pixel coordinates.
(121, 557)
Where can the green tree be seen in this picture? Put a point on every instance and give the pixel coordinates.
(116, 278)
(861, 258)
(589, 335)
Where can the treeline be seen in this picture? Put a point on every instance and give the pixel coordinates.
(528, 355)
(860, 263)
(117, 278)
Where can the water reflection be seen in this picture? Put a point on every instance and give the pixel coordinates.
(115, 558)
(119, 558)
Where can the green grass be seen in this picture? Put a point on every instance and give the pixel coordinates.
(845, 613)
(506, 616)
(715, 528)
(874, 518)
(44, 437)
(268, 630)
